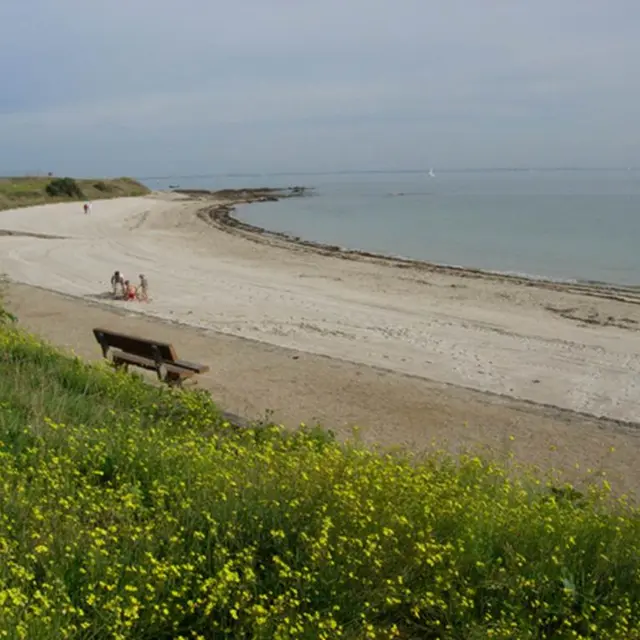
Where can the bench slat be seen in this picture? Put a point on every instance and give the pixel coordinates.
(193, 366)
(147, 363)
(135, 344)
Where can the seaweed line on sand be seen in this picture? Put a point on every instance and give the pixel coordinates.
(220, 215)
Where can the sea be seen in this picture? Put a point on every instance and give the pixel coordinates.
(564, 225)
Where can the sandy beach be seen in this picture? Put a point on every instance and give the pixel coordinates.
(501, 355)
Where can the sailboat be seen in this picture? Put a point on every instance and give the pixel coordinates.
(431, 174)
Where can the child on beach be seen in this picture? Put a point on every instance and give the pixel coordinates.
(143, 289)
(130, 292)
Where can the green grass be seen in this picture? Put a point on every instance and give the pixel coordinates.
(130, 511)
(30, 191)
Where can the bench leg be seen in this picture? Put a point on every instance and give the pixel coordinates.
(176, 380)
(173, 380)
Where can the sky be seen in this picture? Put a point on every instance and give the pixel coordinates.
(162, 88)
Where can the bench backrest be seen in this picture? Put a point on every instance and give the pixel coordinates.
(134, 345)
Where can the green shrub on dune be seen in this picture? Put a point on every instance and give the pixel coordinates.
(64, 187)
(30, 191)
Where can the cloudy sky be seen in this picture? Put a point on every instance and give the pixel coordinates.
(161, 87)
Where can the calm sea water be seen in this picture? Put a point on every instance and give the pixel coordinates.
(566, 225)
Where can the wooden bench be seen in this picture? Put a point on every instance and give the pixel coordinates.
(148, 354)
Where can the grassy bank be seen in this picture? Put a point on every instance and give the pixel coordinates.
(128, 511)
(30, 191)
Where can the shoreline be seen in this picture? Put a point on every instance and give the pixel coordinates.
(221, 216)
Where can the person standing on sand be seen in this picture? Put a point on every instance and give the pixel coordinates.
(86, 208)
(117, 280)
(143, 290)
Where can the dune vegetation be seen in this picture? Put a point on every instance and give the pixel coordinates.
(133, 511)
(34, 190)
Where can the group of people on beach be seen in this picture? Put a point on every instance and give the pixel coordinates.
(128, 291)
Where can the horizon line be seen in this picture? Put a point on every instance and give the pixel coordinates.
(258, 174)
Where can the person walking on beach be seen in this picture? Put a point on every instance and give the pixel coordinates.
(143, 289)
(86, 208)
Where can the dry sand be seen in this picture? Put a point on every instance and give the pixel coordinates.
(437, 339)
